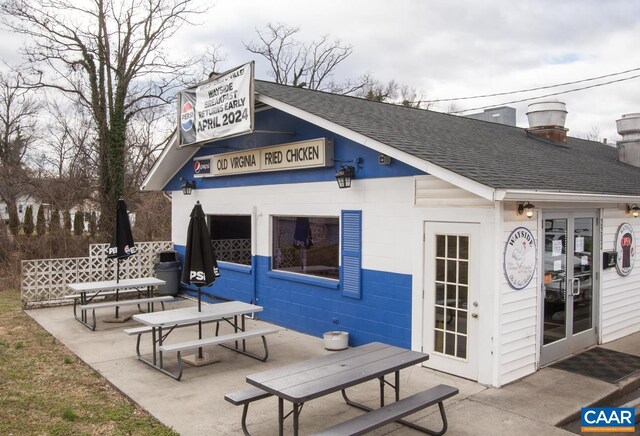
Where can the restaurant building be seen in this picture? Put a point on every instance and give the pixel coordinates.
(495, 249)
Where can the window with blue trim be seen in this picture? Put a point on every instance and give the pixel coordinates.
(306, 245)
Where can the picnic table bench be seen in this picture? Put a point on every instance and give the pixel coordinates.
(87, 292)
(161, 324)
(393, 412)
(149, 301)
(101, 295)
(304, 381)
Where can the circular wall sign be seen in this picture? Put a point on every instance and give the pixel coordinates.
(520, 258)
(626, 248)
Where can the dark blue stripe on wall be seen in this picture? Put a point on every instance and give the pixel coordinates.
(383, 313)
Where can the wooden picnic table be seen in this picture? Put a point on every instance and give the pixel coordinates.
(311, 379)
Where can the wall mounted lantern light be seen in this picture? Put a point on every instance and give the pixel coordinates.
(633, 209)
(187, 185)
(346, 173)
(526, 209)
(344, 176)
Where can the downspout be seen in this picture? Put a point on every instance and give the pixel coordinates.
(254, 255)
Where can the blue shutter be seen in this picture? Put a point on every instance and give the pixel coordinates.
(351, 253)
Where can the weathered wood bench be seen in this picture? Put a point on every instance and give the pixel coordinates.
(393, 412)
(221, 340)
(120, 303)
(90, 297)
(244, 398)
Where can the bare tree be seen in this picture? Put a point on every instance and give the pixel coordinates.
(18, 112)
(292, 62)
(109, 57)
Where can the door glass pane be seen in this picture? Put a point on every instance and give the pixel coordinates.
(555, 279)
(583, 275)
(451, 316)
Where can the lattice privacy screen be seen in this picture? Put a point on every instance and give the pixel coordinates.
(45, 280)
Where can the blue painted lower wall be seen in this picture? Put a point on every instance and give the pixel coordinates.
(383, 314)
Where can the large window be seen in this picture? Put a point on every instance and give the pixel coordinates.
(231, 235)
(306, 245)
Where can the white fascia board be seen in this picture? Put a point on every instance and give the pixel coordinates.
(576, 197)
(167, 165)
(435, 170)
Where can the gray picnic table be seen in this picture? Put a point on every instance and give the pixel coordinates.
(311, 379)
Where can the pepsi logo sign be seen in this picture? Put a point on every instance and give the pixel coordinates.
(187, 117)
(202, 166)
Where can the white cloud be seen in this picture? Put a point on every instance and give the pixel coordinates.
(453, 48)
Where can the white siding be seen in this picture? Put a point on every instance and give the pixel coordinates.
(386, 204)
(620, 296)
(431, 191)
(518, 312)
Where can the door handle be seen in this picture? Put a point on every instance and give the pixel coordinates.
(474, 315)
(573, 287)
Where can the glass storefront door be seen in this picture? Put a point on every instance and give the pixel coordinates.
(571, 246)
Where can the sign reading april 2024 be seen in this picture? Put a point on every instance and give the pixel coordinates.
(218, 108)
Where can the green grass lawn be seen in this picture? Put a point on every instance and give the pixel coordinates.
(46, 390)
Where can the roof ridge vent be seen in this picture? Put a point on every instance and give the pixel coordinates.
(546, 119)
(629, 148)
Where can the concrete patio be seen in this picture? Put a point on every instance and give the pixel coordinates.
(196, 405)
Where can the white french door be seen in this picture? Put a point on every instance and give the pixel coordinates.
(450, 304)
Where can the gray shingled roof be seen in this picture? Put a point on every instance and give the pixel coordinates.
(494, 155)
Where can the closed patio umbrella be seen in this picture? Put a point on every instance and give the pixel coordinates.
(122, 245)
(200, 266)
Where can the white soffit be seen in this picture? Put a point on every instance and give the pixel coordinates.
(574, 197)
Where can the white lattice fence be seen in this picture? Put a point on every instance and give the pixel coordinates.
(45, 280)
(233, 250)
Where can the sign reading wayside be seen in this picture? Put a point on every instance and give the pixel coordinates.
(219, 108)
(520, 258)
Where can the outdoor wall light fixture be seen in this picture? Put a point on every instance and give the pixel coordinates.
(347, 172)
(526, 209)
(187, 185)
(633, 209)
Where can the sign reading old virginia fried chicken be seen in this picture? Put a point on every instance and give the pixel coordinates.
(296, 155)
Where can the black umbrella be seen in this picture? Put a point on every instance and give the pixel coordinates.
(122, 245)
(200, 266)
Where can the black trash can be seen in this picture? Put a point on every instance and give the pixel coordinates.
(167, 268)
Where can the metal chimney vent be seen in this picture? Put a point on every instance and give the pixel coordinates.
(629, 148)
(546, 119)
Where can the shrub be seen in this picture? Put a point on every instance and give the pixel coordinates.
(78, 223)
(28, 221)
(41, 224)
(67, 220)
(54, 224)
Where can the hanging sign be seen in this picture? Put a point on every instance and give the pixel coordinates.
(520, 258)
(219, 108)
(313, 153)
(626, 248)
